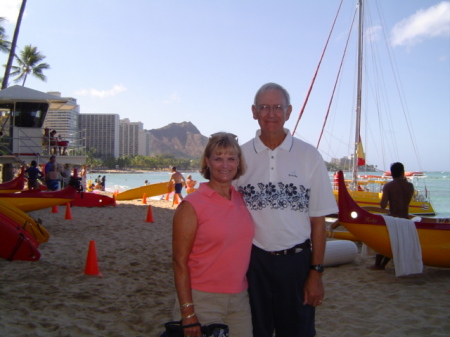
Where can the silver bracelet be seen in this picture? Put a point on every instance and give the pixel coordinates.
(186, 305)
(188, 316)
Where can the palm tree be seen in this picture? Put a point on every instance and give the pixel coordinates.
(4, 45)
(29, 63)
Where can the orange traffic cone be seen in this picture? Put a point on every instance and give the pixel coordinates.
(68, 212)
(149, 214)
(91, 261)
(144, 199)
(55, 209)
(175, 199)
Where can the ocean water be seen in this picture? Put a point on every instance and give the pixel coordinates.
(437, 185)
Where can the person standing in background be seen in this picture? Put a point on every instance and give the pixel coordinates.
(52, 174)
(178, 179)
(190, 184)
(397, 194)
(33, 175)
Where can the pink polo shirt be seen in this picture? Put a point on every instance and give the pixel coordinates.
(220, 255)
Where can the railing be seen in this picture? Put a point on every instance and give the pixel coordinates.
(32, 142)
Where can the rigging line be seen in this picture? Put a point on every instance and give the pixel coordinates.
(336, 81)
(376, 89)
(401, 96)
(381, 92)
(317, 70)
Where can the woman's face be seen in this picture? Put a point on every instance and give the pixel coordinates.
(223, 166)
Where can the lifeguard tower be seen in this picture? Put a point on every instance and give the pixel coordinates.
(22, 138)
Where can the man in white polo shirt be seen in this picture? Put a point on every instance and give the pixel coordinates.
(288, 192)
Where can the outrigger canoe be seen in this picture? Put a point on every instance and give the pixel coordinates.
(34, 200)
(434, 234)
(15, 185)
(151, 190)
(25, 221)
(16, 243)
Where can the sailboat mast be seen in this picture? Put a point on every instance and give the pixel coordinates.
(358, 94)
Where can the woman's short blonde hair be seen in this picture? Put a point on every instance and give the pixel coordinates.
(218, 143)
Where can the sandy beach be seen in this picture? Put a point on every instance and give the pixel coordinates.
(53, 296)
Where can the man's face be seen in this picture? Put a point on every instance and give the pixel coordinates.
(271, 111)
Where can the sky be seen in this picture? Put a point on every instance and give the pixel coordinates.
(162, 62)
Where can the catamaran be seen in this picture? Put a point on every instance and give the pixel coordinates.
(367, 190)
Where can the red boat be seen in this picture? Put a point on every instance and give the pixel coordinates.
(16, 243)
(88, 199)
(17, 184)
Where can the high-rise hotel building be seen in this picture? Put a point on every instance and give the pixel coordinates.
(102, 133)
(129, 133)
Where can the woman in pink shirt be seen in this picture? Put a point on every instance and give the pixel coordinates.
(212, 239)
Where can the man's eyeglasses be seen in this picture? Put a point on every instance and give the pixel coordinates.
(265, 108)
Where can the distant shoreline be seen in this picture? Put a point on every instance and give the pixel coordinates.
(120, 171)
(131, 171)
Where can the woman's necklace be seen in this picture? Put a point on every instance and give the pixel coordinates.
(224, 196)
(228, 197)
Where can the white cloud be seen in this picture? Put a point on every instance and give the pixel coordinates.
(10, 10)
(173, 98)
(373, 33)
(424, 24)
(117, 89)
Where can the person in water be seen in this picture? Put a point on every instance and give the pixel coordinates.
(190, 184)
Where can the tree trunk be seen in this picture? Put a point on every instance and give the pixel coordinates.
(7, 172)
(12, 52)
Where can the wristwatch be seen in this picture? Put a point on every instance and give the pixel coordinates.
(317, 267)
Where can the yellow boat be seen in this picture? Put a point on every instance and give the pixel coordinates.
(434, 234)
(365, 197)
(151, 190)
(23, 220)
(34, 200)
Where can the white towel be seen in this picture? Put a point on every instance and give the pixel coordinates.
(405, 246)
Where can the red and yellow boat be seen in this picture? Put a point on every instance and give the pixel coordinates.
(34, 200)
(434, 233)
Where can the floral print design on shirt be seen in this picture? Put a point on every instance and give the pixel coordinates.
(279, 196)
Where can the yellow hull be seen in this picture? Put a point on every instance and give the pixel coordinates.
(24, 220)
(435, 244)
(434, 234)
(34, 204)
(372, 199)
(151, 190)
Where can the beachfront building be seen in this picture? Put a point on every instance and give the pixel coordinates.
(102, 133)
(144, 143)
(129, 133)
(65, 122)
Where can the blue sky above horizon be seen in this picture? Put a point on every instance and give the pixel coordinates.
(160, 62)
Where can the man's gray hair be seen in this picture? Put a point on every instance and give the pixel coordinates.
(273, 86)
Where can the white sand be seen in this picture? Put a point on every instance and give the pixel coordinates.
(53, 297)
